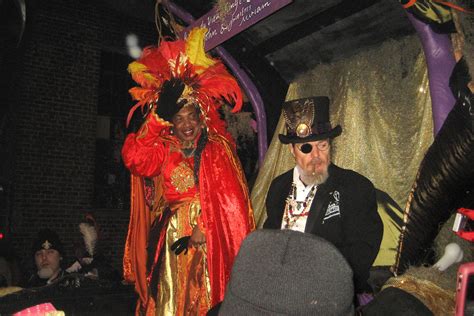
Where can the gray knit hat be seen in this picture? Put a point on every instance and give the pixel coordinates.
(283, 272)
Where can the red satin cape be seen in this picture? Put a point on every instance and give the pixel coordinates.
(226, 214)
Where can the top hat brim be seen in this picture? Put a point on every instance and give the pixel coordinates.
(286, 139)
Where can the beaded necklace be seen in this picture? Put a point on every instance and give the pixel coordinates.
(188, 152)
(188, 148)
(296, 209)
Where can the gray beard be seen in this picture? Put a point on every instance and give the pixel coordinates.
(313, 178)
(45, 273)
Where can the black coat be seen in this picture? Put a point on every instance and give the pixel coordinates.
(356, 229)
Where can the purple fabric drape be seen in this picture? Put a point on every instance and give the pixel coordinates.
(440, 63)
(246, 83)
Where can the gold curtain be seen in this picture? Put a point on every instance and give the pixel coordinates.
(380, 97)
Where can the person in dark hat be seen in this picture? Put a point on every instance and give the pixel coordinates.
(320, 198)
(48, 255)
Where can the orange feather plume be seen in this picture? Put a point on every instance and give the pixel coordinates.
(207, 78)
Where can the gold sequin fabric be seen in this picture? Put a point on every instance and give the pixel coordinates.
(440, 301)
(182, 177)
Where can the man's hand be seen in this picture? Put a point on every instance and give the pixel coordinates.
(197, 238)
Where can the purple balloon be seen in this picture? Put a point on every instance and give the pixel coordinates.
(440, 63)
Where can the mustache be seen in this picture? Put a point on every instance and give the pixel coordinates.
(316, 160)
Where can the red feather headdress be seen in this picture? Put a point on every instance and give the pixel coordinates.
(206, 79)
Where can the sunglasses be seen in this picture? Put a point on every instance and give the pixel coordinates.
(306, 148)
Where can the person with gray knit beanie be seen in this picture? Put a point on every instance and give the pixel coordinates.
(285, 272)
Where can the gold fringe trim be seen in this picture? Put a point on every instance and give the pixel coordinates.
(440, 301)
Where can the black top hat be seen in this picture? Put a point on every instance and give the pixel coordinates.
(47, 239)
(307, 120)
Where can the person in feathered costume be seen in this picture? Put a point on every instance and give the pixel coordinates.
(190, 208)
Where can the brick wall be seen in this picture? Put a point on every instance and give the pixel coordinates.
(53, 99)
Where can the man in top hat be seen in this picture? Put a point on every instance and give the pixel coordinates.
(48, 254)
(320, 198)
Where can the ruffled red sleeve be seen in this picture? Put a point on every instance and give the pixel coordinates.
(143, 152)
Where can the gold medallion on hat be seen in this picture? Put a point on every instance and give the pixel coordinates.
(303, 130)
(299, 117)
